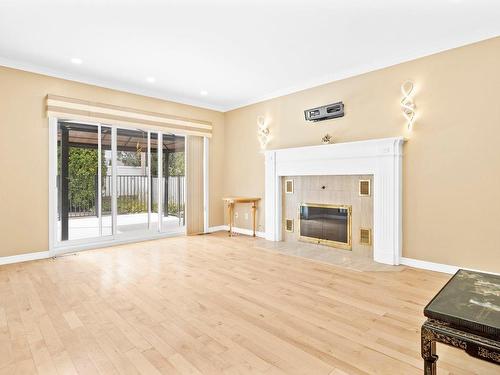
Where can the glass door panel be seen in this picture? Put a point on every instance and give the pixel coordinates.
(132, 185)
(173, 182)
(106, 181)
(77, 181)
(154, 182)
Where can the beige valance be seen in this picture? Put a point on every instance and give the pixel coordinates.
(78, 109)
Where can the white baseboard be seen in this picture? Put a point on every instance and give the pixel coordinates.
(438, 267)
(410, 262)
(61, 250)
(24, 257)
(71, 248)
(244, 231)
(218, 228)
(415, 263)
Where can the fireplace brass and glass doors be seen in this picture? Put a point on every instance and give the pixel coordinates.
(327, 224)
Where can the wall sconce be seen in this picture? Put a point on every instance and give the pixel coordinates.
(262, 132)
(407, 105)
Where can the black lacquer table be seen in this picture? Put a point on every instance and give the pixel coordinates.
(464, 314)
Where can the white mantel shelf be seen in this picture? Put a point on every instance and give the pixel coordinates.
(381, 158)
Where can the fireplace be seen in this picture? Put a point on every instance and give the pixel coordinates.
(326, 224)
(380, 158)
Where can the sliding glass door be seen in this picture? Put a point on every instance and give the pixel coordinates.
(106, 177)
(173, 182)
(78, 164)
(155, 199)
(132, 180)
(116, 183)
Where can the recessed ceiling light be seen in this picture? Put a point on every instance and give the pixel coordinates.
(203, 92)
(76, 60)
(151, 79)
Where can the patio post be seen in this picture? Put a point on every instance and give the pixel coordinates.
(64, 182)
(165, 168)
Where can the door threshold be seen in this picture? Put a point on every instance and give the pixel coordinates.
(71, 248)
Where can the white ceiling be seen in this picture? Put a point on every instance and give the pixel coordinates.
(239, 51)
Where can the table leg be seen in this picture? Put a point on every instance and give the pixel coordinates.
(254, 207)
(229, 218)
(231, 214)
(428, 351)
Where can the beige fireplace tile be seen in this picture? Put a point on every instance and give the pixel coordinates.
(339, 190)
(325, 181)
(335, 184)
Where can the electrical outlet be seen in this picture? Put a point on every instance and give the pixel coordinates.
(246, 215)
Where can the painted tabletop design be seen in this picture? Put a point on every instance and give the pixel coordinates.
(470, 301)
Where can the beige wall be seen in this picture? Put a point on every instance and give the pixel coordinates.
(452, 157)
(24, 152)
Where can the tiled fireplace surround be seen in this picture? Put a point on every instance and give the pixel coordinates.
(379, 158)
(338, 190)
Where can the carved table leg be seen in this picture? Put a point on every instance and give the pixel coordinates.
(428, 351)
(254, 207)
(231, 215)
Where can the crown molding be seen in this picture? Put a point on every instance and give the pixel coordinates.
(85, 79)
(333, 77)
(363, 69)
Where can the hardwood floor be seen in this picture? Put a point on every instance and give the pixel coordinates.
(213, 305)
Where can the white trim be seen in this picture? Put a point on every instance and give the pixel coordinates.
(349, 72)
(337, 76)
(438, 267)
(52, 183)
(123, 87)
(218, 228)
(381, 158)
(25, 257)
(99, 178)
(160, 187)
(148, 173)
(185, 193)
(187, 178)
(225, 228)
(61, 250)
(206, 185)
(100, 243)
(114, 180)
(63, 103)
(57, 247)
(409, 262)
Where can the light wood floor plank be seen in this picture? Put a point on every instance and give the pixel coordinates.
(214, 305)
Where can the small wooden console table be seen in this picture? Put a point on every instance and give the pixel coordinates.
(464, 314)
(231, 201)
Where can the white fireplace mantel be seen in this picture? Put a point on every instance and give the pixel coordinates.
(381, 158)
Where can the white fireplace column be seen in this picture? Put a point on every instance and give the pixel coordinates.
(381, 158)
